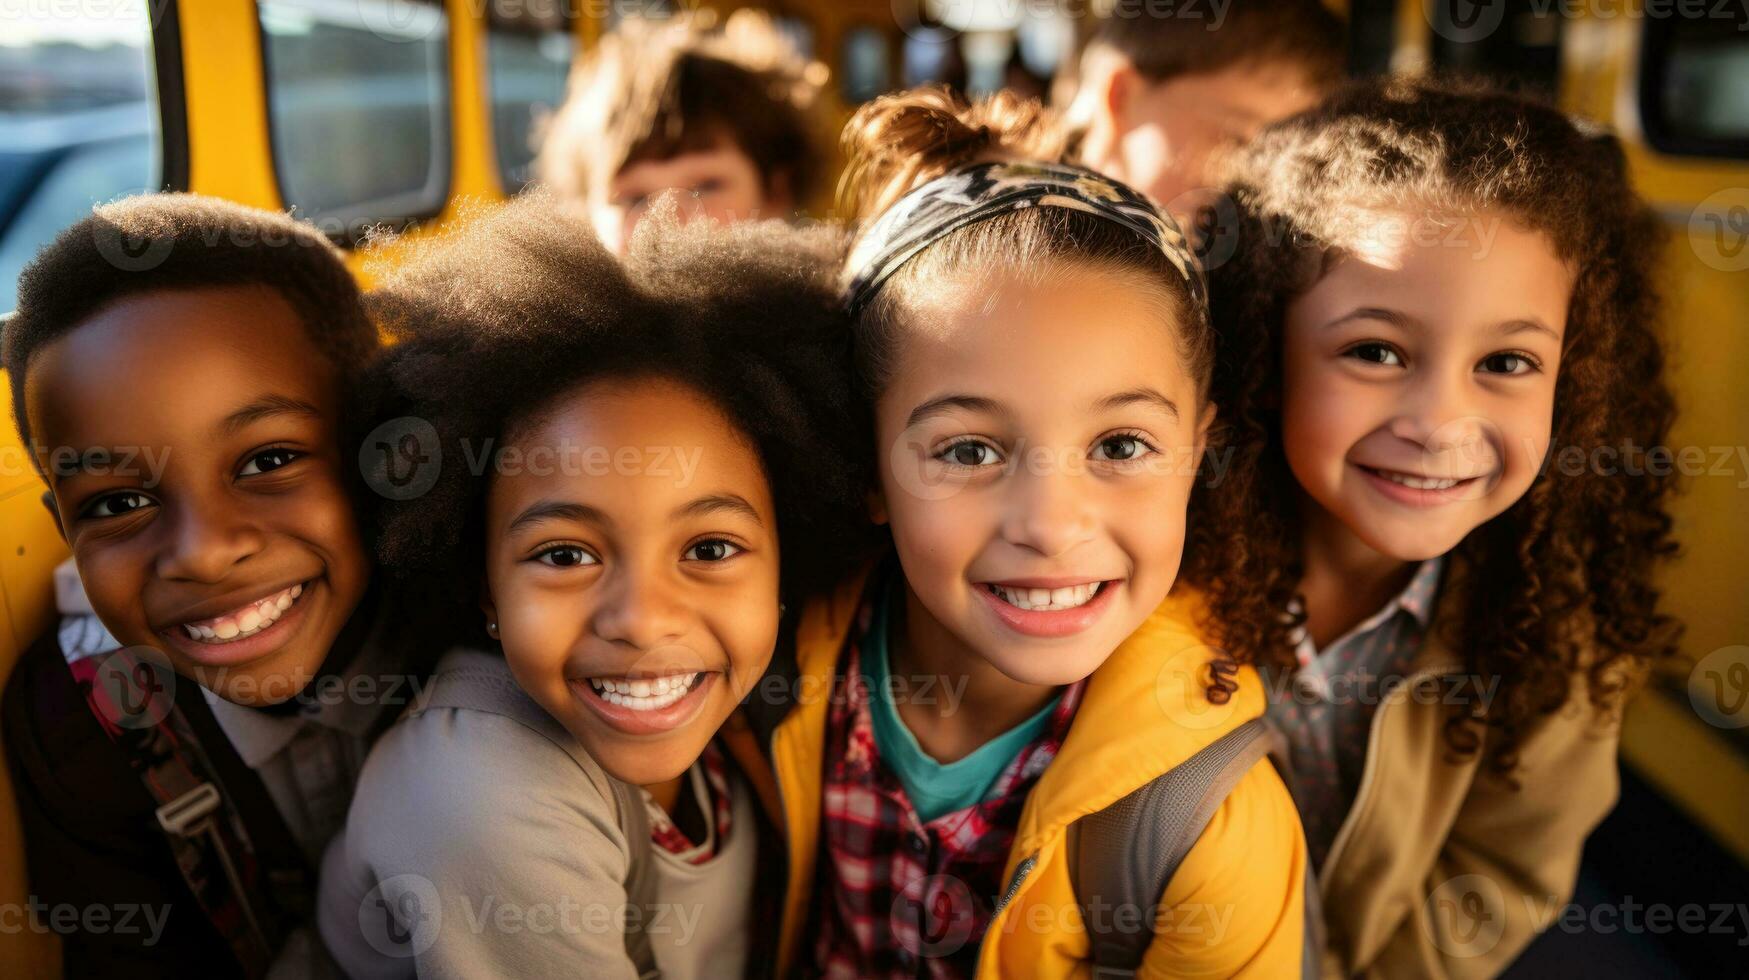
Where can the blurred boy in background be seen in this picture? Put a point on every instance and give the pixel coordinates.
(1162, 97)
(722, 117)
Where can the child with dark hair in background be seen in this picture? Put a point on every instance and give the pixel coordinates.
(1161, 99)
(722, 117)
(661, 467)
(1436, 293)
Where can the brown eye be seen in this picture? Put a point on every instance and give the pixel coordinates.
(969, 453)
(268, 461)
(1375, 354)
(1507, 362)
(566, 556)
(117, 504)
(712, 550)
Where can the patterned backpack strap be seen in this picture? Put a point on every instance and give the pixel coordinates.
(131, 693)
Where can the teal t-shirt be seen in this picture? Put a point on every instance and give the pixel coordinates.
(934, 788)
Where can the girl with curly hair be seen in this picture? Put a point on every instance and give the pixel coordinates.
(1033, 344)
(620, 474)
(1434, 302)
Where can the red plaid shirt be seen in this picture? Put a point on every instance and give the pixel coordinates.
(895, 896)
(665, 835)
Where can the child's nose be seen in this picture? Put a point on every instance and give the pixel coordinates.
(1440, 416)
(206, 541)
(641, 610)
(1049, 511)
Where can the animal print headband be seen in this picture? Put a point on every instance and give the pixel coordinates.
(984, 190)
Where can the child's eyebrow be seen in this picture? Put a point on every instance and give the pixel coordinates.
(940, 406)
(562, 510)
(265, 407)
(718, 503)
(1511, 327)
(1144, 395)
(1395, 318)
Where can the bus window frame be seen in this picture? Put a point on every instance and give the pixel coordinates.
(1656, 35)
(173, 152)
(566, 26)
(355, 230)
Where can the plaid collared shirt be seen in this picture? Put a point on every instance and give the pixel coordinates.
(1326, 708)
(896, 896)
(665, 835)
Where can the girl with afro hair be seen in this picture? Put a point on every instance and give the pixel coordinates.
(613, 478)
(1436, 301)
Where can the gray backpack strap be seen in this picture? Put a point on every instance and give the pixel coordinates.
(488, 687)
(1123, 857)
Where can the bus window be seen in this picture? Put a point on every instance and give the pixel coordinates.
(800, 34)
(1513, 42)
(79, 122)
(529, 62)
(358, 108)
(1694, 84)
(865, 64)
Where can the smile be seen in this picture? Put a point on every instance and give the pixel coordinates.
(245, 620)
(644, 693)
(1046, 600)
(1419, 491)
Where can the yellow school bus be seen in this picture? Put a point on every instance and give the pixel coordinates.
(364, 112)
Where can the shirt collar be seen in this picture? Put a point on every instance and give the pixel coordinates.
(1416, 600)
(259, 736)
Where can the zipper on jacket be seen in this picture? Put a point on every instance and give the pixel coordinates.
(1369, 770)
(1020, 872)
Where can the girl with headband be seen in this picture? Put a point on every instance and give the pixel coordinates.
(1034, 347)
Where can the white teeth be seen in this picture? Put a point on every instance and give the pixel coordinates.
(1416, 482)
(644, 694)
(1047, 600)
(247, 621)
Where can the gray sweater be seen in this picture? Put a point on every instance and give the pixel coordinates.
(483, 845)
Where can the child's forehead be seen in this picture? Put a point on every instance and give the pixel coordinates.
(176, 357)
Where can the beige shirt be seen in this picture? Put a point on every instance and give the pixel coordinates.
(478, 846)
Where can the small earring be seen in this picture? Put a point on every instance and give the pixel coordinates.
(781, 609)
(492, 628)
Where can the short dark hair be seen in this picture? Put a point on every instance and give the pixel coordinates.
(158, 242)
(651, 90)
(521, 306)
(1304, 33)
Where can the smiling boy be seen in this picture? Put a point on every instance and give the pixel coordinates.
(187, 419)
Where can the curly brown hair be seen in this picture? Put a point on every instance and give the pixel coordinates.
(1558, 589)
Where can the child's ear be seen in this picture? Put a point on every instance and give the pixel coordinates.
(1121, 86)
(48, 499)
(490, 608)
(877, 506)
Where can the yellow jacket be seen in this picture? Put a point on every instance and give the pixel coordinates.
(1236, 904)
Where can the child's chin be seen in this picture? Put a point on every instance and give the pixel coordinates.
(258, 684)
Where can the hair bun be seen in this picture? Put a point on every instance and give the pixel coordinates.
(897, 142)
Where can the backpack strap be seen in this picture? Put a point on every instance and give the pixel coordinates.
(131, 694)
(1124, 856)
(484, 685)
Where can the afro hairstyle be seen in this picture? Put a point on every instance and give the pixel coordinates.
(521, 306)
